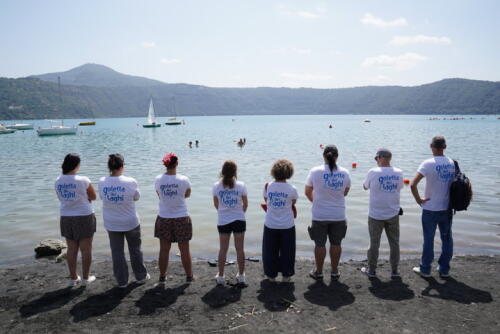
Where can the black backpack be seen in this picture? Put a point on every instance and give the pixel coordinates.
(460, 191)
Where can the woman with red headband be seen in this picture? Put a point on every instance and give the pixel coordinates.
(173, 223)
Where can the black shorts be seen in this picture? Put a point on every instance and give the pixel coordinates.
(238, 226)
(335, 230)
(78, 227)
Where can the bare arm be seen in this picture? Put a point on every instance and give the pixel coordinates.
(294, 201)
(308, 191)
(346, 191)
(365, 188)
(244, 199)
(216, 202)
(91, 193)
(137, 195)
(414, 189)
(188, 193)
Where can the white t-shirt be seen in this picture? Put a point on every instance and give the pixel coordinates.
(72, 193)
(328, 192)
(118, 194)
(279, 213)
(172, 191)
(385, 184)
(439, 172)
(230, 202)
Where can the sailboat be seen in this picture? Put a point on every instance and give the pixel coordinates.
(173, 120)
(55, 130)
(151, 117)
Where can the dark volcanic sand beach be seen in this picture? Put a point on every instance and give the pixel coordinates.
(32, 299)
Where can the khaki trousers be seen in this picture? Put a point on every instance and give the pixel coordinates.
(375, 228)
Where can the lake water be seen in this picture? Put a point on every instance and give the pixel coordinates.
(29, 165)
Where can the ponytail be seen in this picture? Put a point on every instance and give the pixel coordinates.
(228, 174)
(331, 154)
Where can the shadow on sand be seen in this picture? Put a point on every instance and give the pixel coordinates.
(394, 289)
(50, 301)
(100, 304)
(222, 295)
(159, 297)
(276, 296)
(334, 296)
(452, 289)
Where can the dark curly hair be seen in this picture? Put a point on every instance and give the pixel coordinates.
(282, 170)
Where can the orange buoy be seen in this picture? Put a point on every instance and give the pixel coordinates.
(354, 165)
(406, 181)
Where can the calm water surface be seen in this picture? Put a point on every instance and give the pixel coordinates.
(29, 165)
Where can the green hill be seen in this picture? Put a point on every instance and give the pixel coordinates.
(94, 90)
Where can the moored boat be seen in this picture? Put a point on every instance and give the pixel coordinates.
(55, 130)
(4, 130)
(20, 126)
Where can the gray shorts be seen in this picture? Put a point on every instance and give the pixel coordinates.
(78, 227)
(335, 230)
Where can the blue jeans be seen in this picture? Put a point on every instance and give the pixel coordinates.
(431, 220)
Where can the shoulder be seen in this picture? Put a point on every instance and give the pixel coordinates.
(397, 170)
(343, 170)
(183, 177)
(240, 184)
(129, 179)
(317, 169)
(82, 178)
(102, 179)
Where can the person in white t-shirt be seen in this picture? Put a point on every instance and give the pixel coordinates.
(173, 223)
(231, 202)
(118, 194)
(385, 184)
(78, 223)
(326, 187)
(278, 243)
(439, 172)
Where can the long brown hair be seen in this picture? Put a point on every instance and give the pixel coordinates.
(228, 174)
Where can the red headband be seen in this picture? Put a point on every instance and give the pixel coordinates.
(168, 157)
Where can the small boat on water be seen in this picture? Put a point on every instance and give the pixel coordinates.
(20, 126)
(367, 121)
(151, 117)
(55, 130)
(86, 123)
(4, 130)
(173, 120)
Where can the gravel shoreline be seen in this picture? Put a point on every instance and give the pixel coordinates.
(33, 299)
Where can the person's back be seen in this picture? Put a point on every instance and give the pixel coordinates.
(328, 192)
(439, 172)
(230, 206)
(118, 194)
(385, 184)
(72, 193)
(280, 196)
(171, 190)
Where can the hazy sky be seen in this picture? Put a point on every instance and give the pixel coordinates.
(236, 43)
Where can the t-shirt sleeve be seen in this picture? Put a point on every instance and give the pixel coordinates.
(188, 183)
(422, 169)
(99, 187)
(86, 182)
(295, 193)
(309, 182)
(137, 193)
(214, 190)
(366, 183)
(348, 180)
(264, 192)
(244, 191)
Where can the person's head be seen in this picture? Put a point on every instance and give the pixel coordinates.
(383, 157)
(170, 160)
(282, 170)
(330, 154)
(71, 163)
(438, 145)
(228, 174)
(115, 162)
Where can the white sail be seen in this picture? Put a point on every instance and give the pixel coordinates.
(151, 113)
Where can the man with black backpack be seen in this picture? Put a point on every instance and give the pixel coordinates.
(439, 172)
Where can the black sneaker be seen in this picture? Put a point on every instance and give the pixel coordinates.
(334, 276)
(315, 275)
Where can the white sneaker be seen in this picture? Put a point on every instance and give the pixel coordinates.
(73, 282)
(271, 279)
(86, 282)
(240, 278)
(286, 279)
(417, 271)
(142, 281)
(220, 280)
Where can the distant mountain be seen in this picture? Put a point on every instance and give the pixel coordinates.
(97, 75)
(97, 91)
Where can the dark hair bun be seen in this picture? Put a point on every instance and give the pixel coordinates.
(115, 162)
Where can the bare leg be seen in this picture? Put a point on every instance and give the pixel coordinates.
(71, 257)
(86, 249)
(186, 258)
(239, 243)
(319, 256)
(335, 252)
(163, 257)
(224, 245)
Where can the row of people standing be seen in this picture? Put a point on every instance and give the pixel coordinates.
(326, 187)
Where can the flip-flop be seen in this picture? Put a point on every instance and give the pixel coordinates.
(253, 259)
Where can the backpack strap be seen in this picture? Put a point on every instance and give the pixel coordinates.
(457, 168)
